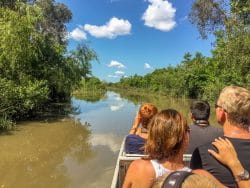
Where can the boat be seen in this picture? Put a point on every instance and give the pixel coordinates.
(123, 161)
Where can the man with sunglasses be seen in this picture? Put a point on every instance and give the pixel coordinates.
(233, 113)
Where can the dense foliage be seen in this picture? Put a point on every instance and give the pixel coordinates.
(203, 77)
(35, 68)
(90, 89)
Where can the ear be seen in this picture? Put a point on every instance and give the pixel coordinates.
(221, 116)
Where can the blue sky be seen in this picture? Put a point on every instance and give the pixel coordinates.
(134, 36)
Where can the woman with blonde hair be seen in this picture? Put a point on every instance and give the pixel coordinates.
(138, 134)
(167, 141)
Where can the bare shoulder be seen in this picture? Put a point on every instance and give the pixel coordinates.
(139, 174)
(141, 165)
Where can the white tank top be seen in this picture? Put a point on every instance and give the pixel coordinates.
(160, 170)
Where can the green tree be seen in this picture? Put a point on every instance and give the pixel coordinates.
(55, 16)
(83, 56)
(34, 66)
(210, 16)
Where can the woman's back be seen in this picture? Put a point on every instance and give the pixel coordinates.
(165, 147)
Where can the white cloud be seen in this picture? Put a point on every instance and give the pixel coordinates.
(77, 34)
(112, 76)
(116, 64)
(160, 15)
(116, 107)
(119, 72)
(147, 66)
(109, 140)
(112, 29)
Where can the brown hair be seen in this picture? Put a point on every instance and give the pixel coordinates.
(166, 134)
(147, 111)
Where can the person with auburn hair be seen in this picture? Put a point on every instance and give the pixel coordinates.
(167, 141)
(233, 113)
(134, 142)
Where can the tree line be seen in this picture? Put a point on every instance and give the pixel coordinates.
(197, 76)
(35, 67)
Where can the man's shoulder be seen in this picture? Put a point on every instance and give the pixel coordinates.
(209, 128)
(240, 145)
(215, 128)
(205, 147)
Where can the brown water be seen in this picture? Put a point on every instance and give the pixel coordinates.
(65, 153)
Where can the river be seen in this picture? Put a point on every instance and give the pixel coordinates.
(79, 151)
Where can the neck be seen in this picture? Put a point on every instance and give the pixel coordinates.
(174, 163)
(233, 131)
(202, 123)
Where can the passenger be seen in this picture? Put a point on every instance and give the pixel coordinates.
(233, 113)
(180, 179)
(135, 141)
(183, 179)
(201, 131)
(167, 142)
(227, 155)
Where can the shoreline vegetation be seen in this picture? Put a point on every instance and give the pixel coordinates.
(37, 71)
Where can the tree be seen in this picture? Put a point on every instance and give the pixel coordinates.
(83, 56)
(34, 66)
(210, 16)
(11, 3)
(229, 21)
(20, 91)
(55, 15)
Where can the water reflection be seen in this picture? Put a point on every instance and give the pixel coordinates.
(109, 140)
(91, 96)
(64, 153)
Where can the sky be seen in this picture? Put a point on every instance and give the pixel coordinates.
(134, 36)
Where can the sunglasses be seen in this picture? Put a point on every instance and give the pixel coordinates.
(218, 106)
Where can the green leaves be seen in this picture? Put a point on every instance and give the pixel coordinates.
(34, 67)
(82, 57)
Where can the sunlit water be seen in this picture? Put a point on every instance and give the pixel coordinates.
(65, 153)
